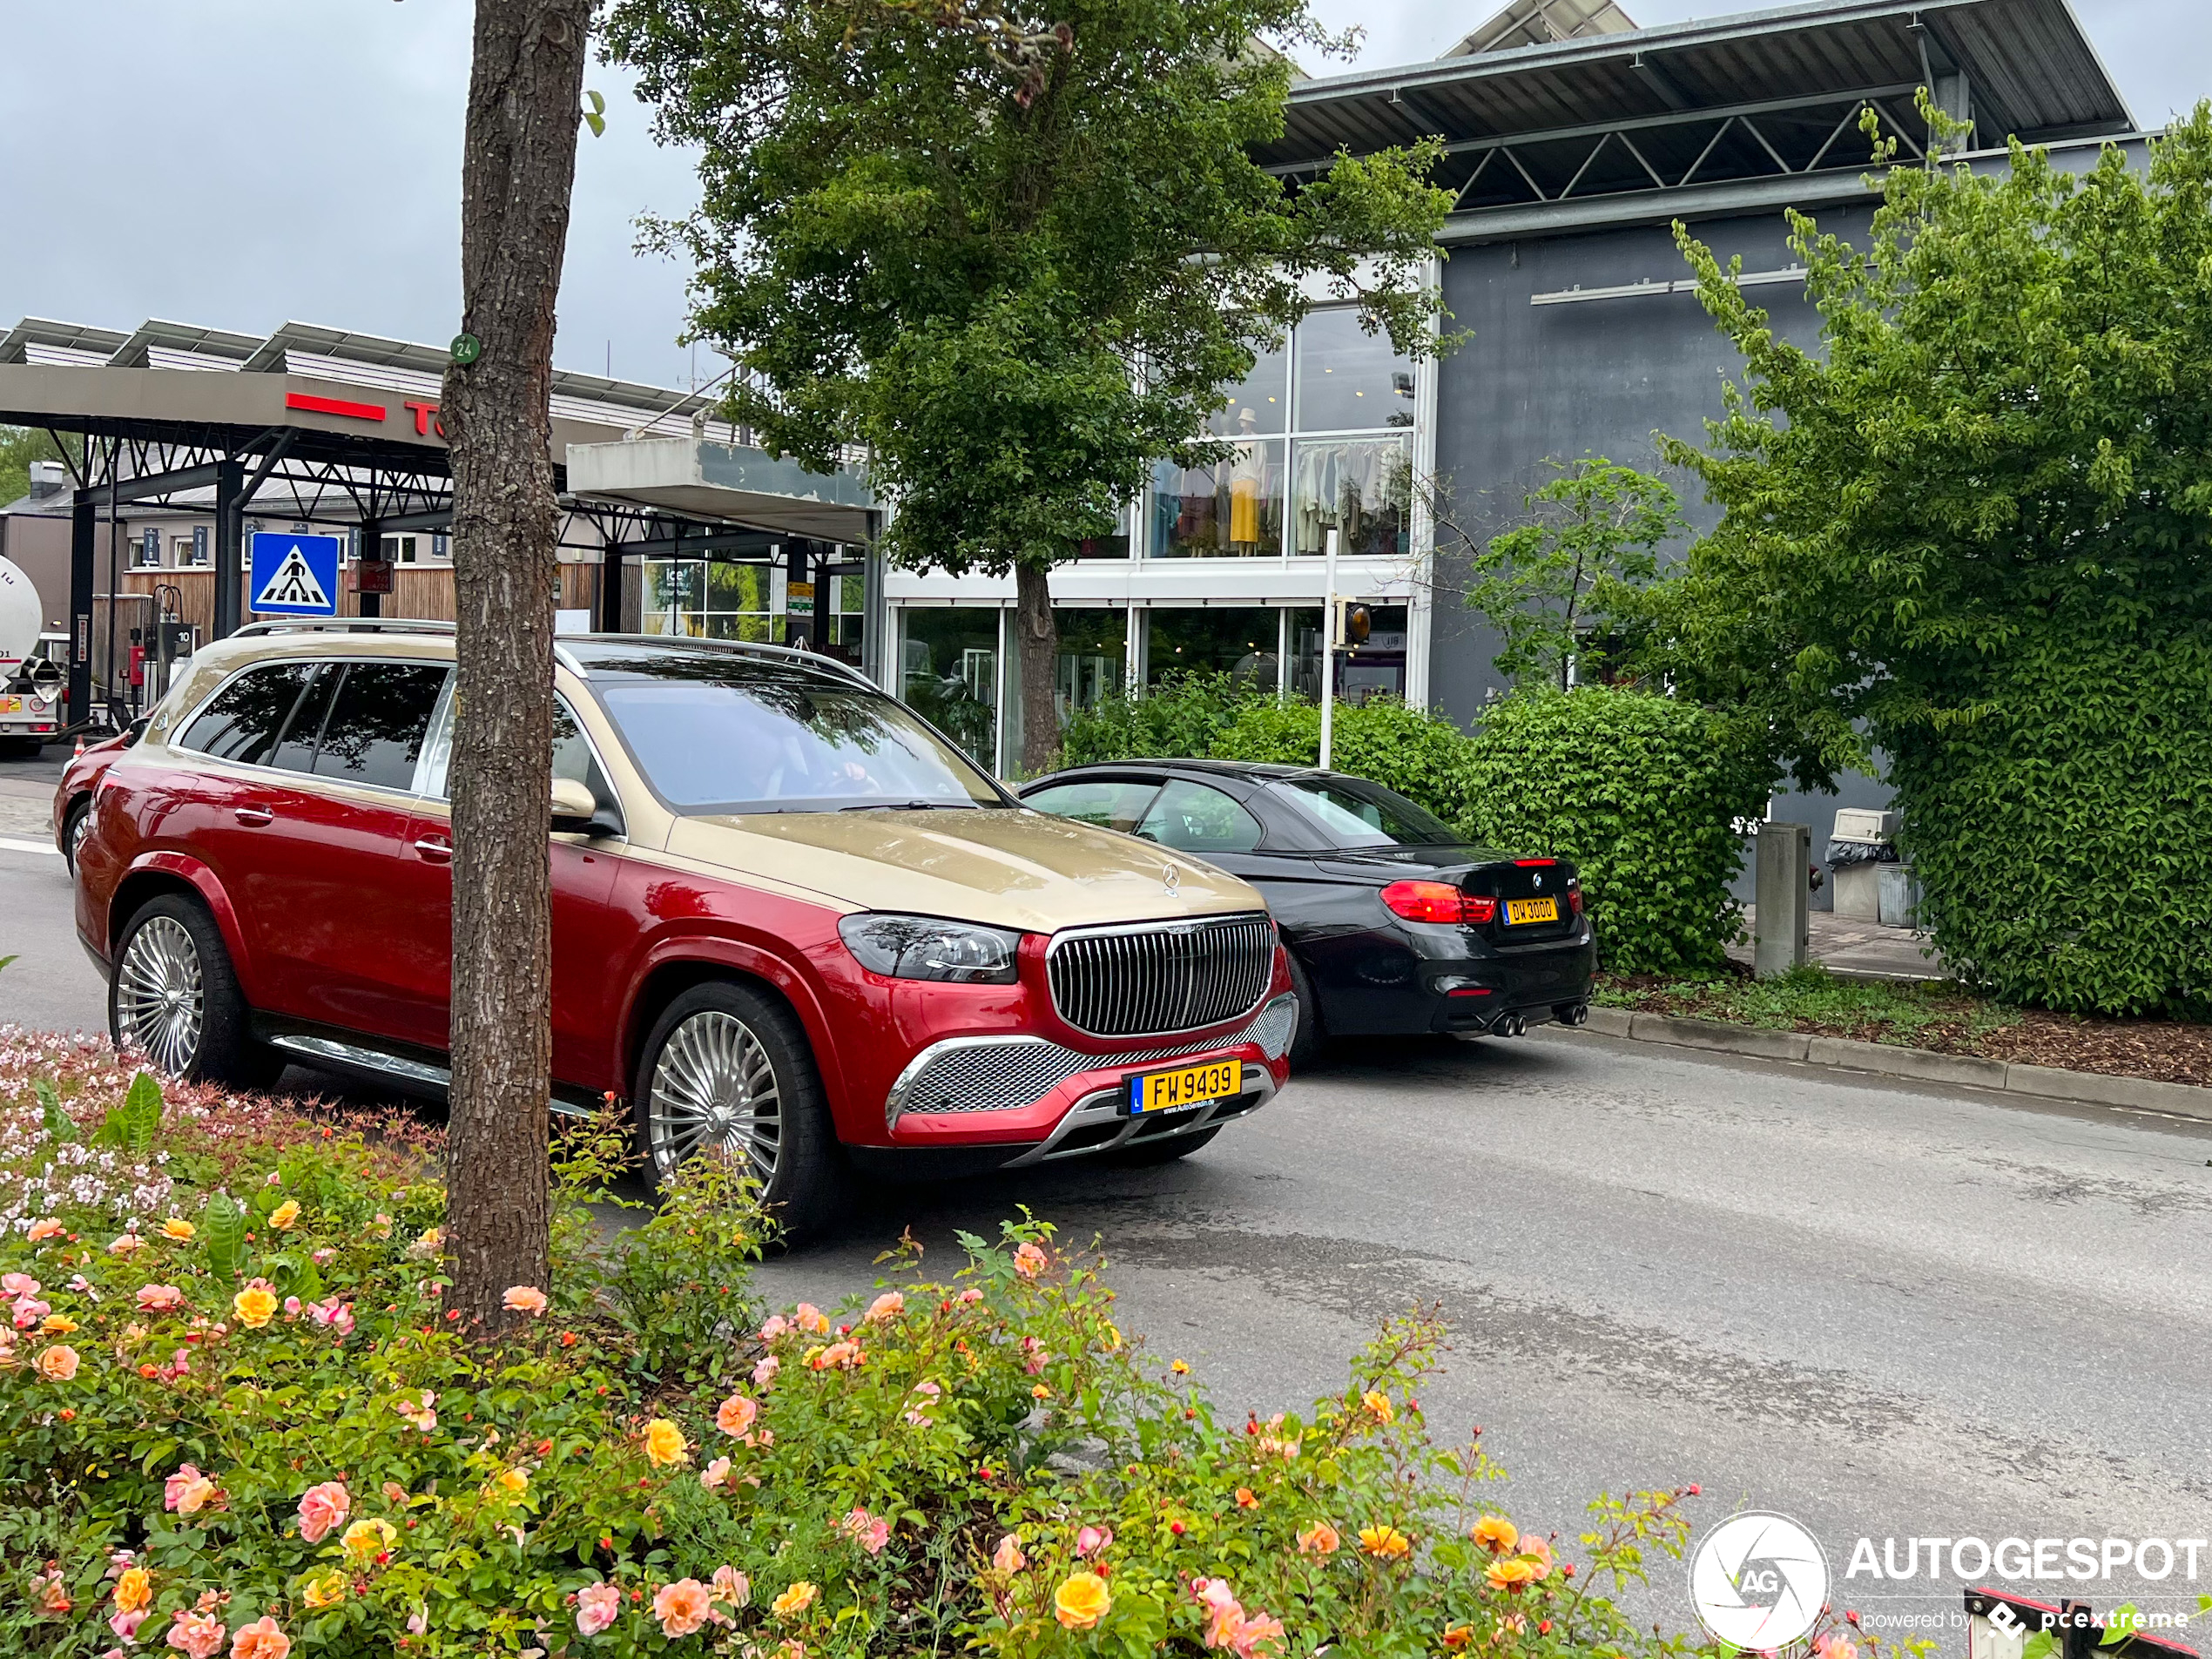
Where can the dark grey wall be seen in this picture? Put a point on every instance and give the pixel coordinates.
(1599, 377)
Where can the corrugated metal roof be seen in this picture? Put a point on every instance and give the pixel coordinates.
(2032, 69)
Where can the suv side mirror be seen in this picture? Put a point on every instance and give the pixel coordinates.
(573, 806)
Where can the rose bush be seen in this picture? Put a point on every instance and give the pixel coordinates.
(988, 1461)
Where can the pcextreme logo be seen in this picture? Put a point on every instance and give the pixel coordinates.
(1758, 1581)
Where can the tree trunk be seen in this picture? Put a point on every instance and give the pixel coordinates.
(1036, 636)
(525, 92)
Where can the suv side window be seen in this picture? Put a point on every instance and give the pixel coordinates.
(1109, 804)
(572, 756)
(377, 724)
(295, 750)
(242, 721)
(1193, 819)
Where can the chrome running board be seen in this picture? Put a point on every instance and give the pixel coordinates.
(422, 1073)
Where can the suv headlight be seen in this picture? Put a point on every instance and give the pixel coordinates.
(931, 947)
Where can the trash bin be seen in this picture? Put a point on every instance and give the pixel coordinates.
(1860, 847)
(1899, 899)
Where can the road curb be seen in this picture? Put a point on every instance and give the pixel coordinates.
(1888, 1060)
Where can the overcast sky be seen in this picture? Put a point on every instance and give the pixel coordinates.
(239, 163)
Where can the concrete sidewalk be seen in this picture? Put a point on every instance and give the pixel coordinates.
(1855, 949)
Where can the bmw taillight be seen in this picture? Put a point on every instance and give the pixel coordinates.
(1438, 902)
(1574, 895)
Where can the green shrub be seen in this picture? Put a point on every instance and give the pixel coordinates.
(1179, 716)
(983, 1464)
(1643, 794)
(2059, 836)
(1420, 755)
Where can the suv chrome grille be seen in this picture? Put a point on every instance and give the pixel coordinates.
(1162, 977)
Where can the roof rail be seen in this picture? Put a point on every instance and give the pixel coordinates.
(343, 625)
(759, 649)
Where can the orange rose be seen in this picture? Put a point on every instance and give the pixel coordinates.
(664, 1443)
(1512, 1573)
(1496, 1533)
(1082, 1599)
(1386, 1543)
(260, 1640)
(57, 1363)
(255, 1306)
(1319, 1540)
(133, 1590)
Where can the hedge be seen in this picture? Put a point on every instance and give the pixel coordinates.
(1420, 756)
(2059, 836)
(1644, 793)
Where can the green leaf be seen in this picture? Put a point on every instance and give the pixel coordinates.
(59, 1123)
(223, 1225)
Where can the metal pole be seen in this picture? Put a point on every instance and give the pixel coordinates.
(81, 547)
(114, 530)
(1328, 646)
(230, 538)
(372, 552)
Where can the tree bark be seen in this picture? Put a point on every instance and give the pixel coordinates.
(525, 95)
(1036, 638)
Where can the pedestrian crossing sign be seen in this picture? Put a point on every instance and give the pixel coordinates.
(294, 575)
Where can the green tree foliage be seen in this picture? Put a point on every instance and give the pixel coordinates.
(19, 447)
(1994, 480)
(1182, 715)
(1549, 585)
(1420, 755)
(1644, 793)
(955, 232)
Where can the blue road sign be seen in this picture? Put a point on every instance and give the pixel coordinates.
(294, 575)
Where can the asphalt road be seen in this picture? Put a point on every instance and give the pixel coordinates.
(1885, 1312)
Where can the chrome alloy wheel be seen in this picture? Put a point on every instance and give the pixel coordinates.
(77, 827)
(714, 1085)
(160, 1003)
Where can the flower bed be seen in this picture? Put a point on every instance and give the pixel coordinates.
(242, 1423)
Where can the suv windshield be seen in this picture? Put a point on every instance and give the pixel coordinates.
(717, 735)
(1354, 813)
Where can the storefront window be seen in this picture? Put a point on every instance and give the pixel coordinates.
(1238, 642)
(1349, 380)
(1374, 667)
(1334, 378)
(709, 600)
(1359, 487)
(949, 673)
(1260, 404)
(1231, 509)
(1093, 658)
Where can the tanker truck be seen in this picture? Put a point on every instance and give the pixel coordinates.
(32, 665)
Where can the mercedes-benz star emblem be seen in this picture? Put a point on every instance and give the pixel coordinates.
(1170, 878)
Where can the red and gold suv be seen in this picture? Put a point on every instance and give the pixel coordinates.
(789, 918)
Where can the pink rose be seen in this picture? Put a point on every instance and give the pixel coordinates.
(596, 1607)
(716, 1474)
(731, 1587)
(44, 1228)
(889, 1305)
(188, 1491)
(524, 1298)
(734, 1415)
(125, 1624)
(197, 1635)
(260, 1640)
(322, 1508)
(682, 1607)
(155, 1298)
(1093, 1539)
(764, 1374)
(15, 1285)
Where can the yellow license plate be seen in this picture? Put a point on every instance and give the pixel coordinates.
(1171, 1092)
(1520, 910)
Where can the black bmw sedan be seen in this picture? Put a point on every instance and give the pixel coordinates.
(1395, 925)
